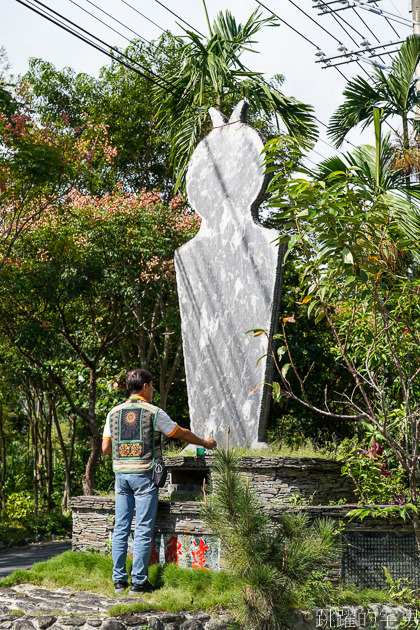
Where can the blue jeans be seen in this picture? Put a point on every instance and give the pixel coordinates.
(140, 492)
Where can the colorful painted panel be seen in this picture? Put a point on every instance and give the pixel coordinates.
(196, 552)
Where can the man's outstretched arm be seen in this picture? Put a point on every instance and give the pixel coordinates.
(192, 438)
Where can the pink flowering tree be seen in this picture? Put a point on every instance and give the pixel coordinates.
(41, 162)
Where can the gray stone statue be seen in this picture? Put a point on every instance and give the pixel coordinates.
(228, 279)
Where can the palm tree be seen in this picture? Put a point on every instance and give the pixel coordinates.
(395, 93)
(374, 172)
(212, 74)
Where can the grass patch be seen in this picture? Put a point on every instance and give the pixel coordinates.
(181, 589)
(273, 450)
(78, 570)
(352, 596)
(185, 589)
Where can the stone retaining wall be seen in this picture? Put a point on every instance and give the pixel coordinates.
(182, 537)
(93, 520)
(319, 481)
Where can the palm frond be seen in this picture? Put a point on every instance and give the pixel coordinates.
(211, 72)
(394, 93)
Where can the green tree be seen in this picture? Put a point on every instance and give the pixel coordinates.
(393, 91)
(376, 171)
(121, 99)
(360, 276)
(91, 277)
(211, 73)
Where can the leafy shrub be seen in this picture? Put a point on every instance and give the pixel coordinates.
(377, 478)
(19, 505)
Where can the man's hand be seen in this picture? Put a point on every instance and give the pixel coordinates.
(191, 438)
(209, 444)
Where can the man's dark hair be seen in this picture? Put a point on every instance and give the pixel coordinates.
(136, 379)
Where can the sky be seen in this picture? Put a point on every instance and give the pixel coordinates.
(278, 50)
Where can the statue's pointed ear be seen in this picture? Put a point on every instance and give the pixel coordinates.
(240, 113)
(217, 118)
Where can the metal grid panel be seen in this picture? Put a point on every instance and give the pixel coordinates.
(366, 553)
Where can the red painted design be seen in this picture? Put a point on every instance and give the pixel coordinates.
(173, 550)
(199, 555)
(154, 556)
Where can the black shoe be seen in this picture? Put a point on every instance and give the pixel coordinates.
(119, 587)
(142, 588)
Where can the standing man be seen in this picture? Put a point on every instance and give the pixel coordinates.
(133, 437)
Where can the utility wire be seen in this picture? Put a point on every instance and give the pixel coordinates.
(107, 25)
(115, 19)
(369, 29)
(202, 35)
(260, 3)
(366, 25)
(318, 153)
(315, 21)
(145, 16)
(44, 14)
(179, 18)
(312, 44)
(389, 22)
(341, 26)
(284, 22)
(85, 38)
(395, 18)
(112, 29)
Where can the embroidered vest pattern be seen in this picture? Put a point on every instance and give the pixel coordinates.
(135, 444)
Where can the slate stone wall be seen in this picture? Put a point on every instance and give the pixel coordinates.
(182, 537)
(277, 479)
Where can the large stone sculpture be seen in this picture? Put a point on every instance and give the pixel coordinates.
(228, 279)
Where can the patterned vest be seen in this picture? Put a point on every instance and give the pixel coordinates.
(135, 444)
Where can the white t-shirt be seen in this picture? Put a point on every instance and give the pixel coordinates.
(163, 424)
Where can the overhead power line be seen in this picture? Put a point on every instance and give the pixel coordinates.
(336, 18)
(312, 44)
(389, 22)
(366, 7)
(107, 25)
(179, 18)
(315, 21)
(142, 14)
(100, 45)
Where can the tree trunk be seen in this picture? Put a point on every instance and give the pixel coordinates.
(35, 464)
(89, 476)
(416, 525)
(3, 461)
(163, 398)
(66, 494)
(406, 141)
(124, 355)
(49, 468)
